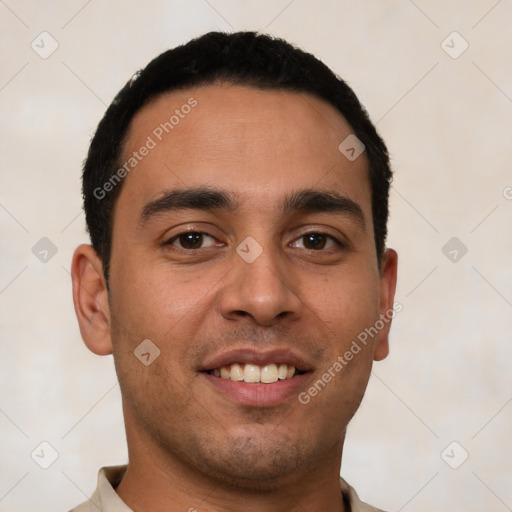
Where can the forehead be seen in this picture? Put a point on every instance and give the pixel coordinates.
(242, 139)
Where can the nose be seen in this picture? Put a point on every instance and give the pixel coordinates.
(262, 290)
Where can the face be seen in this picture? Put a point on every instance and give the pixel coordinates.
(243, 249)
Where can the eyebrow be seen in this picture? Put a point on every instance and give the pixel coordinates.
(208, 198)
(320, 201)
(200, 198)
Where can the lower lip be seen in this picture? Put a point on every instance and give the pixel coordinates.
(258, 395)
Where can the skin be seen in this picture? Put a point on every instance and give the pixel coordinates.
(189, 444)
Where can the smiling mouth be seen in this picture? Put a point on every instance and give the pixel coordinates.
(253, 373)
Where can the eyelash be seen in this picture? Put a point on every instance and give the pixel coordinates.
(328, 237)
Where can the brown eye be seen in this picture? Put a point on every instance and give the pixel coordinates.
(192, 240)
(315, 242)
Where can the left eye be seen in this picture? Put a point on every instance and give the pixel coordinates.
(192, 240)
(315, 241)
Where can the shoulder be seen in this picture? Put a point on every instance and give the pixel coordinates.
(105, 498)
(353, 501)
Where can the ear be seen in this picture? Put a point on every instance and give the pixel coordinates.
(387, 288)
(90, 297)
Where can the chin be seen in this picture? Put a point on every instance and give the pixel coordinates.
(254, 463)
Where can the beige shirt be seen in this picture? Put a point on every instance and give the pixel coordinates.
(105, 498)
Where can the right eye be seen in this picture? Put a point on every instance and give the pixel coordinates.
(190, 240)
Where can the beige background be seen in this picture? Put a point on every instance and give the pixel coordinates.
(448, 124)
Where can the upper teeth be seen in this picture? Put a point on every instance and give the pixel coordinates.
(254, 373)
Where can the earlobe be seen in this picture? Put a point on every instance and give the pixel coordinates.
(387, 288)
(90, 297)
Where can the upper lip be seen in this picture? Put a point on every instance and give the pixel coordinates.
(260, 357)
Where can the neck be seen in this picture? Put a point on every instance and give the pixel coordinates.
(156, 482)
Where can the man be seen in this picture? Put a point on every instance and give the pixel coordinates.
(236, 196)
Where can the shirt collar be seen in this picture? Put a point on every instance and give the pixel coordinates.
(105, 498)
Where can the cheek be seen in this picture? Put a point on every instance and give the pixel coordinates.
(168, 307)
(346, 303)
(350, 305)
(155, 300)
